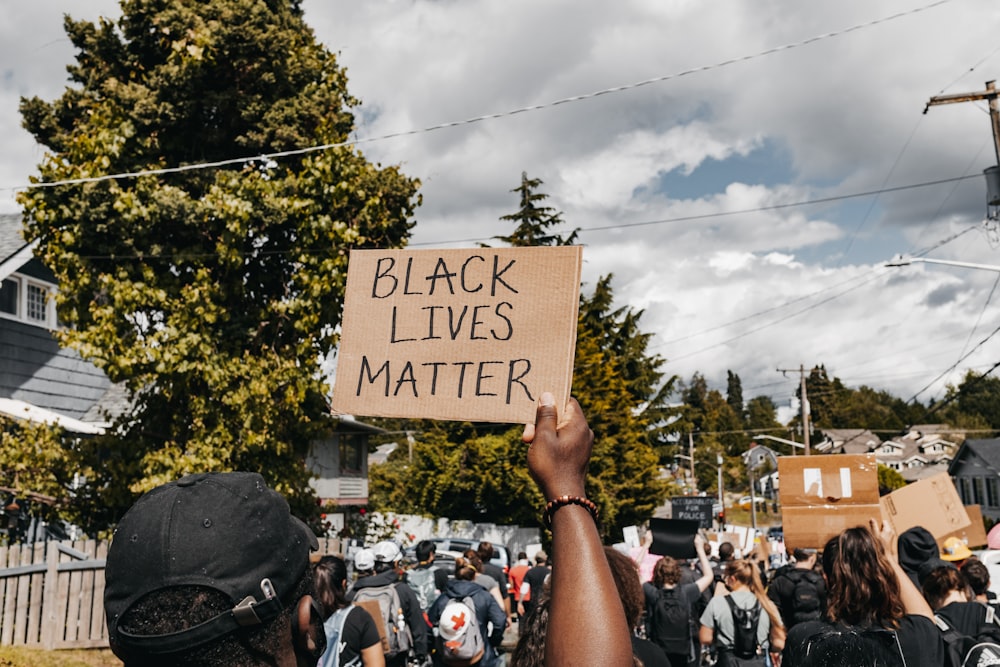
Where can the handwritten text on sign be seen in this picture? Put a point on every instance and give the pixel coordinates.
(472, 334)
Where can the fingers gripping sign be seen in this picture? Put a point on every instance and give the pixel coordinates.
(559, 451)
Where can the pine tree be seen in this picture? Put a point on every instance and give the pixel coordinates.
(534, 222)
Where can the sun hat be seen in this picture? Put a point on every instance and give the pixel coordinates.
(225, 531)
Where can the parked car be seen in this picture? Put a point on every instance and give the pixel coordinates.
(501, 555)
(744, 502)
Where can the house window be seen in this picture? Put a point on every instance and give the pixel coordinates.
(36, 301)
(963, 490)
(9, 296)
(991, 491)
(977, 490)
(350, 452)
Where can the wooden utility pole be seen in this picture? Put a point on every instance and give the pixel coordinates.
(803, 403)
(990, 94)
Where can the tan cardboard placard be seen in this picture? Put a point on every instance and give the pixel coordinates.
(932, 503)
(974, 535)
(823, 495)
(471, 335)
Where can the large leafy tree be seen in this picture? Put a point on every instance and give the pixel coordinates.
(212, 292)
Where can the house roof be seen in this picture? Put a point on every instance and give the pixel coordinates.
(987, 450)
(11, 239)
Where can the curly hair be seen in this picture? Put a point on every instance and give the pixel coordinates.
(862, 587)
(174, 609)
(666, 572)
(626, 576)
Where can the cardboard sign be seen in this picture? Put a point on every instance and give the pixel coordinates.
(932, 503)
(974, 535)
(469, 335)
(673, 537)
(823, 495)
(694, 508)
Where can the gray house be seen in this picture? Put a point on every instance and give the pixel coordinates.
(976, 473)
(39, 380)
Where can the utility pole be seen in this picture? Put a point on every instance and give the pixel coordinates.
(804, 403)
(694, 484)
(990, 94)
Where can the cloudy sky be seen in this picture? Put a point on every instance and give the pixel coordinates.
(744, 169)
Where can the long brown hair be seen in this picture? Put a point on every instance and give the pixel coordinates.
(667, 571)
(747, 573)
(863, 589)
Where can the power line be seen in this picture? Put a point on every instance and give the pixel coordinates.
(476, 119)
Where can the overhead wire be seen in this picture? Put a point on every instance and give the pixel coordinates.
(476, 119)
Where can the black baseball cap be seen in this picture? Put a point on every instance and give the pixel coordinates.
(226, 531)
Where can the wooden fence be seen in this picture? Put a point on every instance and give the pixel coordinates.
(52, 595)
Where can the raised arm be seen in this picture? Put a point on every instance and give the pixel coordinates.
(913, 600)
(587, 623)
(707, 575)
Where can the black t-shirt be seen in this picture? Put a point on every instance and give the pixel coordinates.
(359, 633)
(650, 654)
(535, 578)
(919, 638)
(973, 619)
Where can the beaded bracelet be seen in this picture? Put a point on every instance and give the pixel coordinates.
(562, 501)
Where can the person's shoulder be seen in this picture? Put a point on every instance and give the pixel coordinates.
(649, 653)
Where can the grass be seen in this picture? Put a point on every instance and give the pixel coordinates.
(29, 657)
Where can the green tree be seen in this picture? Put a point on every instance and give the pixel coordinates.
(762, 415)
(734, 394)
(210, 293)
(534, 222)
(889, 479)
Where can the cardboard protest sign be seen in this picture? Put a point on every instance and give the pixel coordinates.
(974, 535)
(673, 537)
(473, 334)
(695, 508)
(823, 495)
(932, 503)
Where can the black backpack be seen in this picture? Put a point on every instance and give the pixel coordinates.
(835, 645)
(805, 599)
(966, 651)
(745, 623)
(670, 626)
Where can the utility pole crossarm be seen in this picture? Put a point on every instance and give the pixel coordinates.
(989, 94)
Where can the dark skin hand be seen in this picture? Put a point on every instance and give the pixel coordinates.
(587, 623)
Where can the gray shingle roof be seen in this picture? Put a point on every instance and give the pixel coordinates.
(11, 239)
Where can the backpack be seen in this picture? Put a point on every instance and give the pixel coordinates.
(745, 623)
(422, 582)
(670, 622)
(966, 651)
(840, 645)
(334, 628)
(805, 600)
(460, 641)
(397, 637)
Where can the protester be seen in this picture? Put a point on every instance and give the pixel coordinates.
(486, 552)
(531, 631)
(955, 551)
(351, 632)
(379, 581)
(587, 624)
(949, 595)
(719, 623)
(918, 554)
(534, 579)
(425, 578)
(626, 575)
(797, 590)
(490, 619)
(212, 570)
(643, 558)
(977, 575)
(516, 574)
(671, 607)
(483, 579)
(873, 608)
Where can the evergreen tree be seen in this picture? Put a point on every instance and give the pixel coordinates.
(534, 222)
(734, 394)
(209, 293)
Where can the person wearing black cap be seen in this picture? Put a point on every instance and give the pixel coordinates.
(918, 554)
(212, 570)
